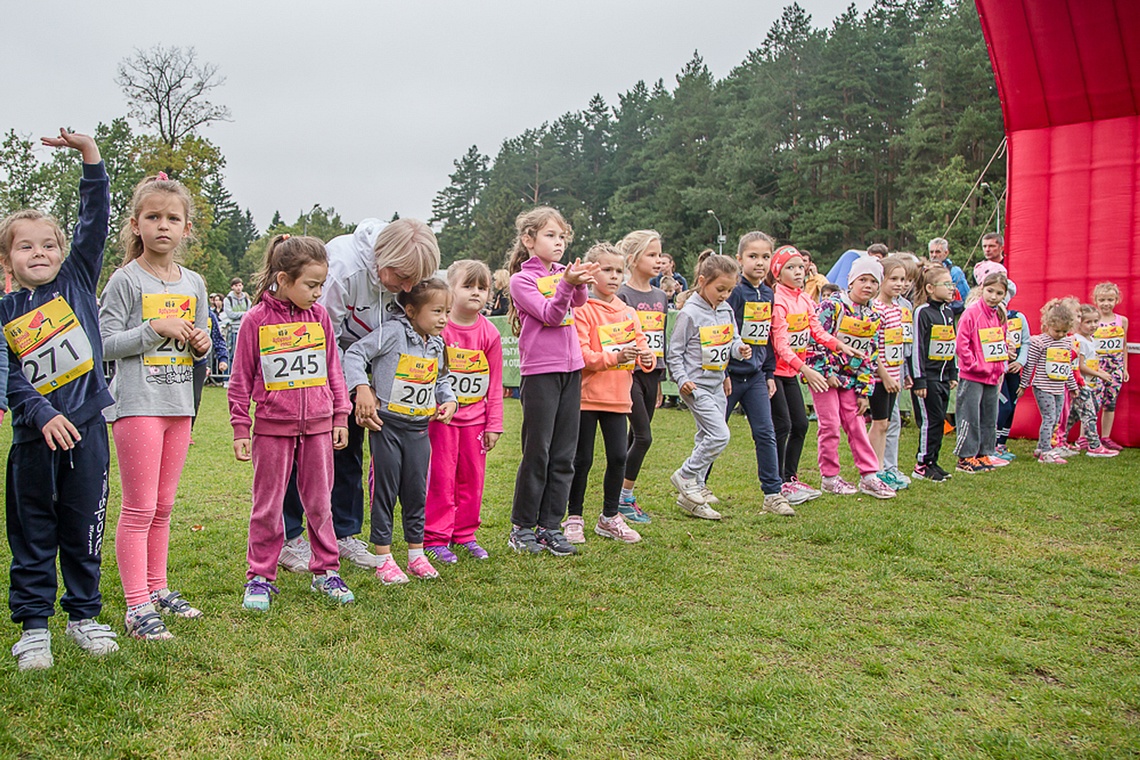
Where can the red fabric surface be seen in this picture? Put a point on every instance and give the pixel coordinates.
(1068, 73)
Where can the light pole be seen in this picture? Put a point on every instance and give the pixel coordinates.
(305, 227)
(720, 238)
(997, 204)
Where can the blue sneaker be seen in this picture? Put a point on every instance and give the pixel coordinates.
(631, 512)
(889, 479)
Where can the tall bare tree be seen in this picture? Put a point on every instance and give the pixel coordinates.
(167, 89)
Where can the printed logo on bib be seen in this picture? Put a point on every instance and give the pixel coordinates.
(413, 388)
(994, 348)
(616, 337)
(907, 324)
(653, 325)
(799, 332)
(292, 355)
(757, 324)
(168, 306)
(860, 333)
(1109, 339)
(893, 346)
(470, 374)
(1058, 363)
(51, 345)
(716, 346)
(941, 343)
(546, 286)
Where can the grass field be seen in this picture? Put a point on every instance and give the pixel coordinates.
(993, 616)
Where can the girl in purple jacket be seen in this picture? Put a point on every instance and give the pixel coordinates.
(286, 361)
(543, 294)
(982, 355)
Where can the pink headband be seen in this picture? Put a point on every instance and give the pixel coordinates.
(781, 257)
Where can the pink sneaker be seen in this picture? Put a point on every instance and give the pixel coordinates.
(1101, 451)
(421, 568)
(617, 529)
(574, 528)
(1081, 444)
(1052, 457)
(805, 489)
(872, 486)
(994, 461)
(390, 573)
(1110, 444)
(838, 486)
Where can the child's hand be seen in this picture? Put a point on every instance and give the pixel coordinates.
(223, 366)
(243, 449)
(908, 383)
(771, 388)
(814, 380)
(340, 438)
(1014, 366)
(1020, 392)
(688, 388)
(366, 415)
(199, 342)
(850, 350)
(832, 381)
(890, 385)
(862, 405)
(445, 412)
(727, 385)
(746, 352)
(173, 328)
(646, 357)
(60, 432)
(953, 384)
(1126, 378)
(581, 274)
(921, 392)
(82, 143)
(489, 440)
(628, 354)
(660, 397)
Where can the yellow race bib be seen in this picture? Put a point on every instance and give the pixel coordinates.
(994, 348)
(292, 355)
(169, 306)
(50, 343)
(1109, 339)
(1013, 337)
(470, 374)
(907, 324)
(653, 325)
(942, 345)
(716, 346)
(799, 333)
(616, 337)
(893, 346)
(757, 324)
(413, 388)
(1058, 363)
(547, 286)
(859, 333)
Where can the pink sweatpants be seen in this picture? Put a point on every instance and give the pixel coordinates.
(151, 452)
(455, 484)
(273, 457)
(839, 408)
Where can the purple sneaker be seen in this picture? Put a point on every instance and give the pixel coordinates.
(442, 553)
(474, 549)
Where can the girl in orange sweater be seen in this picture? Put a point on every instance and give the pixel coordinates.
(612, 346)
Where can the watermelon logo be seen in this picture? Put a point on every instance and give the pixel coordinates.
(185, 307)
(301, 332)
(39, 321)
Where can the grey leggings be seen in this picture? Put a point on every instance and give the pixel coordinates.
(1049, 404)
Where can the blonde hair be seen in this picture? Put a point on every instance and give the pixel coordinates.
(130, 241)
(1056, 313)
(905, 263)
(409, 247)
(527, 225)
(288, 254)
(634, 245)
(756, 236)
(1106, 288)
(598, 250)
(1088, 310)
(7, 233)
(469, 272)
(502, 279)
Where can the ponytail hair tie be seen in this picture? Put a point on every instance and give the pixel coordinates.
(161, 177)
(285, 236)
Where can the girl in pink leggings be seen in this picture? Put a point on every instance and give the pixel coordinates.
(153, 320)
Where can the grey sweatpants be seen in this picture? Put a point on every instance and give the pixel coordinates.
(708, 406)
(891, 449)
(401, 452)
(976, 420)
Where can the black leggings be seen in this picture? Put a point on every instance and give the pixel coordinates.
(613, 436)
(791, 423)
(644, 394)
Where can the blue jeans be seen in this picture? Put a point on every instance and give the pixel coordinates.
(752, 394)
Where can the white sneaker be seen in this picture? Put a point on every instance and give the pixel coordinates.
(355, 551)
(689, 488)
(295, 555)
(33, 650)
(710, 497)
(697, 509)
(778, 504)
(94, 638)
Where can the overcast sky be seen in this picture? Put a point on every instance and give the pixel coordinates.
(364, 106)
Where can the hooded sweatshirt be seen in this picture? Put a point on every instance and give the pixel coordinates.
(603, 328)
(981, 344)
(353, 295)
(791, 302)
(409, 372)
(286, 361)
(548, 341)
(703, 341)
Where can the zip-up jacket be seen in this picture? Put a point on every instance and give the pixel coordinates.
(287, 411)
(381, 351)
(852, 372)
(789, 301)
(605, 387)
(922, 366)
(684, 355)
(763, 359)
(972, 364)
(353, 295)
(546, 344)
(84, 398)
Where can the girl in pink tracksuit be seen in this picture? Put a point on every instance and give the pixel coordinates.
(286, 361)
(459, 449)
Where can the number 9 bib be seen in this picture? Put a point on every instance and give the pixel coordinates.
(51, 345)
(292, 355)
(413, 388)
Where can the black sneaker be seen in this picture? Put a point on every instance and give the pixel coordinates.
(523, 541)
(936, 474)
(553, 541)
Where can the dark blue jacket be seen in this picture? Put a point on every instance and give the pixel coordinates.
(84, 398)
(763, 358)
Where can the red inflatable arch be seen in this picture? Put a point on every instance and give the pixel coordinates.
(1068, 74)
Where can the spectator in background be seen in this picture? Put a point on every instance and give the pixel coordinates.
(670, 287)
(813, 280)
(993, 247)
(669, 270)
(877, 251)
(939, 249)
(500, 301)
(234, 306)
